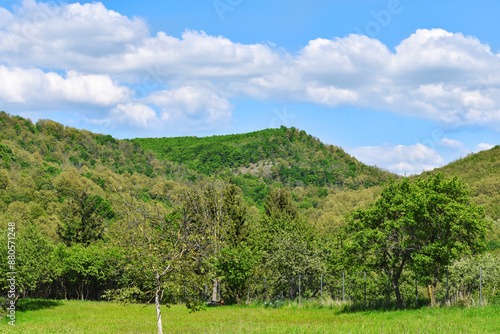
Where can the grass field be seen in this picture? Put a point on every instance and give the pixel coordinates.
(46, 316)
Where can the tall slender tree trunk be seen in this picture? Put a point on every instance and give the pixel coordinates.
(434, 286)
(81, 291)
(158, 312)
(238, 295)
(214, 291)
(157, 303)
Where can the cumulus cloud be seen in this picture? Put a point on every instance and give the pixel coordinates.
(452, 143)
(483, 147)
(5, 17)
(435, 74)
(68, 35)
(32, 87)
(400, 159)
(192, 102)
(135, 114)
(184, 108)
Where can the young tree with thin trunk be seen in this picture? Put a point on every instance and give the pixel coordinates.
(160, 247)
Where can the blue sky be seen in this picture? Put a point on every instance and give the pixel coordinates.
(404, 85)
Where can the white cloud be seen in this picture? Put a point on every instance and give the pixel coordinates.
(451, 143)
(69, 34)
(184, 108)
(441, 51)
(5, 17)
(195, 56)
(191, 106)
(135, 115)
(400, 159)
(434, 74)
(331, 96)
(456, 147)
(31, 87)
(483, 147)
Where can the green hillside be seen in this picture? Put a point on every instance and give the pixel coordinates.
(34, 159)
(51, 146)
(326, 182)
(481, 171)
(71, 194)
(44, 165)
(285, 155)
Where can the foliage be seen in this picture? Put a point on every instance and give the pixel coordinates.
(84, 272)
(85, 216)
(236, 211)
(236, 266)
(285, 155)
(218, 207)
(464, 277)
(480, 172)
(280, 214)
(6, 155)
(450, 226)
(4, 179)
(33, 256)
(284, 240)
(159, 249)
(420, 225)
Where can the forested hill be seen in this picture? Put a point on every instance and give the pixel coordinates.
(36, 154)
(285, 155)
(52, 147)
(481, 171)
(44, 165)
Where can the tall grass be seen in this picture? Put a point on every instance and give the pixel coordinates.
(35, 316)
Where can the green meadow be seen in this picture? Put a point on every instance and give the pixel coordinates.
(48, 316)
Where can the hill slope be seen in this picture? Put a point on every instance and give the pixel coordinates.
(51, 145)
(40, 163)
(284, 155)
(258, 161)
(481, 171)
(326, 182)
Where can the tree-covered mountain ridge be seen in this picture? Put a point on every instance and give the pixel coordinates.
(325, 181)
(97, 216)
(286, 155)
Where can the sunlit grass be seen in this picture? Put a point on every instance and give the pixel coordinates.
(36, 316)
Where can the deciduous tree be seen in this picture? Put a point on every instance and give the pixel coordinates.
(420, 225)
(160, 248)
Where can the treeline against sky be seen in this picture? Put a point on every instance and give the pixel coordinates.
(282, 191)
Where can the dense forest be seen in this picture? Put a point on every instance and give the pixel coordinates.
(242, 205)
(285, 155)
(261, 160)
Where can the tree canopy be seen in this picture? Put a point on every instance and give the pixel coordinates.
(238, 207)
(421, 225)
